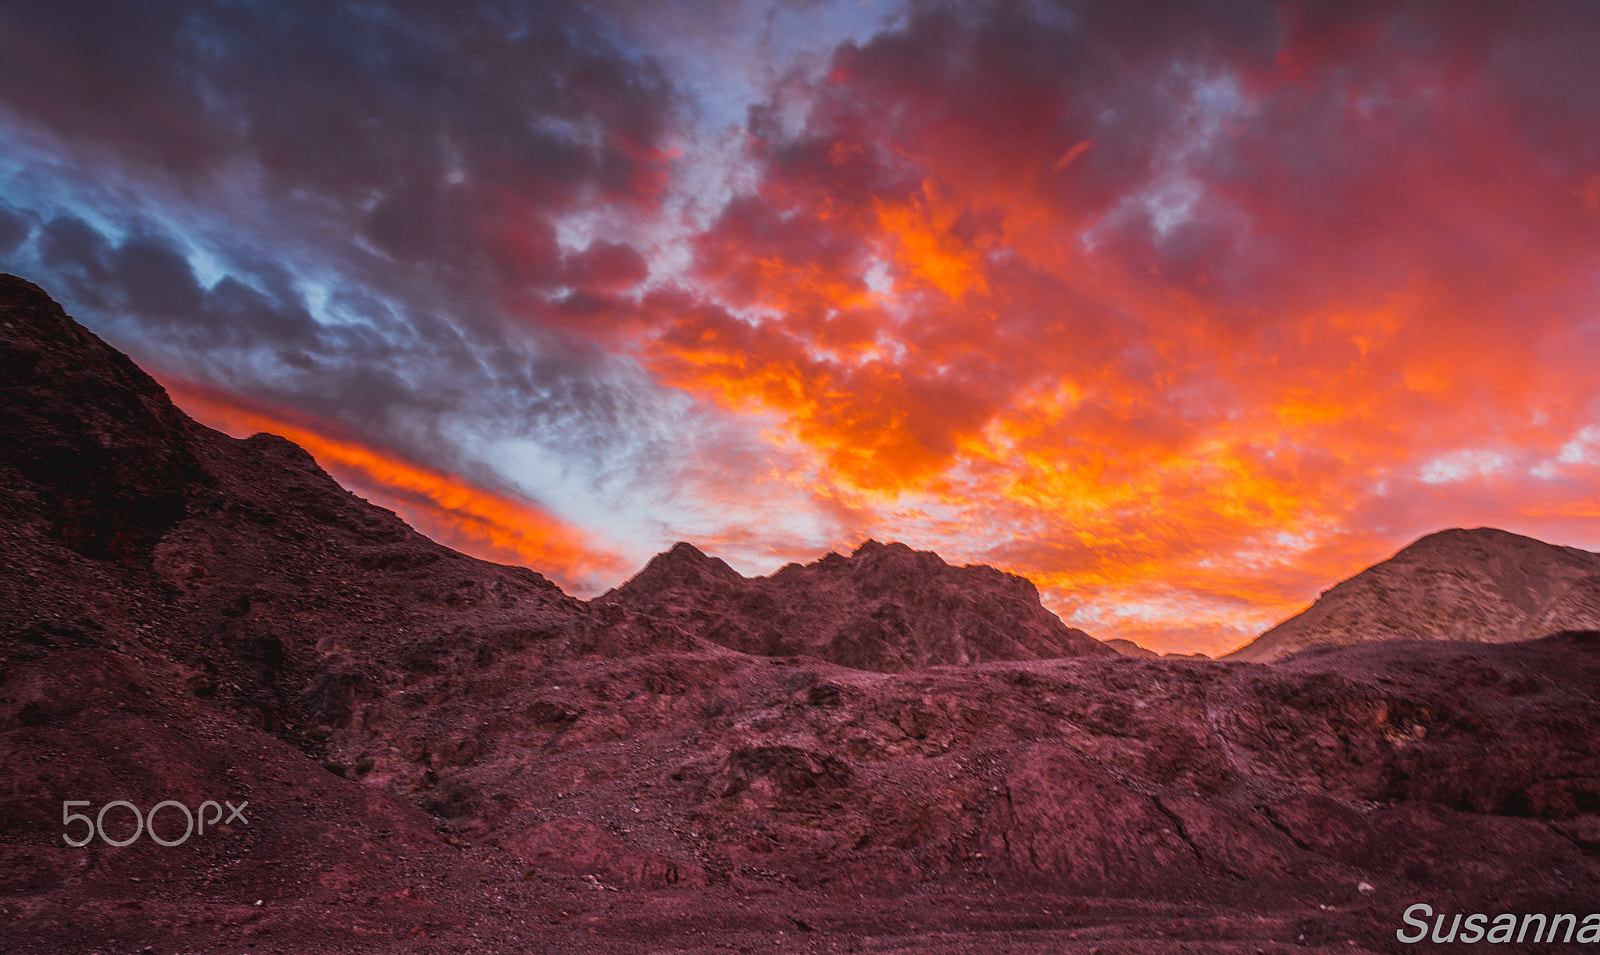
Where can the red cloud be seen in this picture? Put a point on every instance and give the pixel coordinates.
(1303, 259)
(472, 519)
(1185, 309)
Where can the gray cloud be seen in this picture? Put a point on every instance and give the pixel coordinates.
(335, 208)
(15, 229)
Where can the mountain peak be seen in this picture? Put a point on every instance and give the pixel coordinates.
(681, 565)
(870, 546)
(685, 552)
(1452, 537)
(1483, 585)
(886, 607)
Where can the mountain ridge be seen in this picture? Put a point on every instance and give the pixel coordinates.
(885, 607)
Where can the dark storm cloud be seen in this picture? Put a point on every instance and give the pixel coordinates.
(15, 229)
(406, 161)
(342, 99)
(146, 282)
(444, 136)
(1174, 281)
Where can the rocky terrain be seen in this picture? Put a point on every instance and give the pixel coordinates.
(1481, 585)
(445, 755)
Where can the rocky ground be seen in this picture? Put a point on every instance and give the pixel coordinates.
(444, 755)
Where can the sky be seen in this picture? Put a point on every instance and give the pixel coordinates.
(1184, 310)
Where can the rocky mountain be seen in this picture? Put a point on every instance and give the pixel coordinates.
(436, 754)
(1482, 585)
(886, 607)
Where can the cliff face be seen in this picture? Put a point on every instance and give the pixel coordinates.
(885, 607)
(444, 754)
(1482, 585)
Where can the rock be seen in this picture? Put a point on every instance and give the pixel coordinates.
(90, 434)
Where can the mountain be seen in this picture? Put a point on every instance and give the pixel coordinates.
(886, 607)
(1130, 649)
(1482, 585)
(433, 753)
(275, 582)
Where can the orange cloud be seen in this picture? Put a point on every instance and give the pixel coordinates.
(442, 506)
(921, 238)
(1223, 364)
(1186, 311)
(1078, 149)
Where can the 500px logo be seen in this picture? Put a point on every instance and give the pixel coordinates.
(142, 822)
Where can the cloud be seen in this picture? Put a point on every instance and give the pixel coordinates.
(425, 150)
(478, 520)
(1184, 309)
(354, 214)
(15, 229)
(1313, 248)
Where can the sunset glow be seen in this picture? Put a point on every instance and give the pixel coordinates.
(445, 507)
(1184, 311)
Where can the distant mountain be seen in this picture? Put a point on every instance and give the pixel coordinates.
(1130, 649)
(1482, 585)
(886, 607)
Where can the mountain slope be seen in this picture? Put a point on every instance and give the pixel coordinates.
(241, 558)
(1482, 585)
(885, 607)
